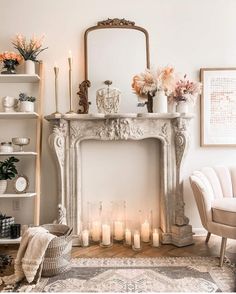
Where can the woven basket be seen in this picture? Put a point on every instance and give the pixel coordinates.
(58, 254)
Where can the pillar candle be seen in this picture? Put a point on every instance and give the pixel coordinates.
(155, 238)
(137, 242)
(118, 230)
(145, 231)
(96, 231)
(85, 237)
(106, 234)
(128, 236)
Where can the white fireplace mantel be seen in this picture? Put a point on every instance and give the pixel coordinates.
(69, 130)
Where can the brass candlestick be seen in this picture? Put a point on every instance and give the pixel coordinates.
(70, 85)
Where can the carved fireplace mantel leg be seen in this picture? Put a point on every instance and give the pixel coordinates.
(57, 143)
(181, 230)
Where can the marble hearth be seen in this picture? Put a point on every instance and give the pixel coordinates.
(69, 130)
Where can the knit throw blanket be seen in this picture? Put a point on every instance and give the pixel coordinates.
(30, 256)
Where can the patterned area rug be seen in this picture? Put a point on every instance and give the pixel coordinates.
(164, 274)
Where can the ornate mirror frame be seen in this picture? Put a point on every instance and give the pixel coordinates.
(105, 24)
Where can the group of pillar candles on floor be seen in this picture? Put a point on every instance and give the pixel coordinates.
(104, 227)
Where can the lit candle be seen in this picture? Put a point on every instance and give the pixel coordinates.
(106, 234)
(96, 231)
(137, 243)
(56, 71)
(85, 237)
(128, 237)
(118, 230)
(155, 238)
(145, 231)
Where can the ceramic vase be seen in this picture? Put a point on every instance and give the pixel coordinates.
(29, 67)
(182, 107)
(160, 104)
(3, 186)
(26, 106)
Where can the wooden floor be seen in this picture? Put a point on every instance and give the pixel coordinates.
(199, 248)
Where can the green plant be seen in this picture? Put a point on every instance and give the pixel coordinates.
(25, 97)
(8, 169)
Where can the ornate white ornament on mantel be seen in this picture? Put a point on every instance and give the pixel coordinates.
(70, 130)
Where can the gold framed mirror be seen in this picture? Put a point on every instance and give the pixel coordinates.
(114, 50)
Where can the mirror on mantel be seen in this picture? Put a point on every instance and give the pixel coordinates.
(115, 50)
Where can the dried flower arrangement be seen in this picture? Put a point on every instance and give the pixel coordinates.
(10, 60)
(186, 91)
(29, 49)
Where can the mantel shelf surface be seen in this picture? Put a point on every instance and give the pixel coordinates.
(100, 116)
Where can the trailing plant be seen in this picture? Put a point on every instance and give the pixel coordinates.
(25, 97)
(8, 169)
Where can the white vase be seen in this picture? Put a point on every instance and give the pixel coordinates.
(182, 107)
(3, 186)
(29, 67)
(26, 106)
(160, 102)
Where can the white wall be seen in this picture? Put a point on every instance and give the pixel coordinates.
(188, 34)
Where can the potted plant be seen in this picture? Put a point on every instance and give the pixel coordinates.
(8, 171)
(26, 102)
(10, 60)
(29, 50)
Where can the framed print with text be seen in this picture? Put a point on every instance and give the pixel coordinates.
(218, 107)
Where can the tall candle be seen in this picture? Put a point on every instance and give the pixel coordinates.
(118, 230)
(106, 234)
(96, 231)
(85, 237)
(56, 71)
(145, 231)
(70, 79)
(155, 238)
(128, 237)
(137, 243)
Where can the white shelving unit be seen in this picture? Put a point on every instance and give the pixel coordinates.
(4, 241)
(15, 195)
(36, 154)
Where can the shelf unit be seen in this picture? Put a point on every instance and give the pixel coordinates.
(36, 155)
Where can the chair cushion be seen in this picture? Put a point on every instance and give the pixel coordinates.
(224, 211)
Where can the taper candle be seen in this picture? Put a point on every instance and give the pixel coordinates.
(70, 80)
(56, 71)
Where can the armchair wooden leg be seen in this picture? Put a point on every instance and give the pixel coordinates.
(222, 250)
(208, 237)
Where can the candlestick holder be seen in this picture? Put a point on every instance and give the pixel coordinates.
(118, 215)
(155, 238)
(94, 215)
(136, 241)
(70, 86)
(56, 113)
(106, 226)
(145, 226)
(84, 236)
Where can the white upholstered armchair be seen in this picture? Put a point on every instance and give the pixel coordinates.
(214, 190)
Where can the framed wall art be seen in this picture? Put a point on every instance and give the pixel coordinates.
(218, 107)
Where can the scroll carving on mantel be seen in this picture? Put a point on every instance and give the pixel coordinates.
(172, 131)
(181, 139)
(57, 142)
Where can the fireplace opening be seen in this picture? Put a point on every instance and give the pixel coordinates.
(122, 171)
